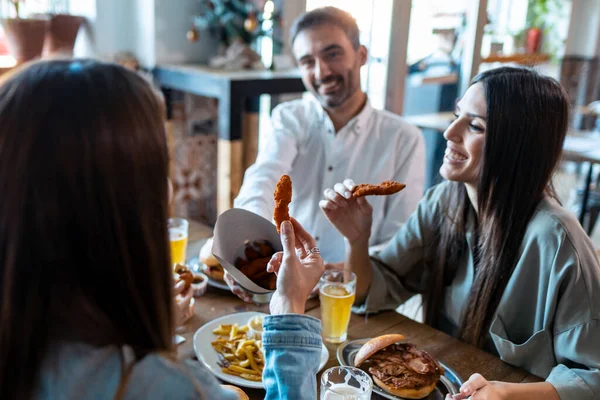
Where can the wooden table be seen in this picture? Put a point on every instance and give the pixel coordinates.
(463, 358)
(232, 89)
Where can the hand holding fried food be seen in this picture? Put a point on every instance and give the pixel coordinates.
(385, 188)
(239, 355)
(184, 275)
(283, 198)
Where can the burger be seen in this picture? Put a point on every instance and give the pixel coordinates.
(210, 265)
(399, 368)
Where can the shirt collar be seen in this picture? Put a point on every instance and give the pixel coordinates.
(358, 123)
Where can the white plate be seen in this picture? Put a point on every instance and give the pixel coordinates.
(208, 356)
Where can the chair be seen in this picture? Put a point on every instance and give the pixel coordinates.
(592, 210)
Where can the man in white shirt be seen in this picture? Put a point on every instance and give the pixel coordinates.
(333, 135)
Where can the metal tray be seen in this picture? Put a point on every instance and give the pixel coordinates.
(449, 383)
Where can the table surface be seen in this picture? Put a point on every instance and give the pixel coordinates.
(463, 358)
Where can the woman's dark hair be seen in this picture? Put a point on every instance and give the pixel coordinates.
(527, 117)
(84, 253)
(327, 15)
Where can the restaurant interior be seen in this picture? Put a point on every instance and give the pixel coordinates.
(221, 68)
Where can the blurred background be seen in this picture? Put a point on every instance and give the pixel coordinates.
(205, 54)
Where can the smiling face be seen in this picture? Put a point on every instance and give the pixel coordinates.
(466, 137)
(329, 64)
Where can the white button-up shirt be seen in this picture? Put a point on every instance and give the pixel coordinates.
(374, 146)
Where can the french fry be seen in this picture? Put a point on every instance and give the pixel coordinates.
(256, 378)
(252, 361)
(233, 332)
(239, 355)
(241, 370)
(230, 372)
(247, 342)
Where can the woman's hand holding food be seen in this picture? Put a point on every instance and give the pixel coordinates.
(299, 268)
(184, 306)
(351, 216)
(479, 388)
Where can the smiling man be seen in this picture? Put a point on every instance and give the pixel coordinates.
(333, 135)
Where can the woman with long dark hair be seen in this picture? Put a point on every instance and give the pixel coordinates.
(500, 263)
(86, 286)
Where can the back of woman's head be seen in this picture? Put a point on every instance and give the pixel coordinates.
(83, 237)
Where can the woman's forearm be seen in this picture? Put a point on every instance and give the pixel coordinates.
(359, 262)
(530, 391)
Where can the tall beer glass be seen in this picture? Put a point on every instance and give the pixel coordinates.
(337, 291)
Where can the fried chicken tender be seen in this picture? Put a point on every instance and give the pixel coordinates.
(385, 188)
(283, 197)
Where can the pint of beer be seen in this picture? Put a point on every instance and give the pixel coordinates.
(336, 291)
(178, 236)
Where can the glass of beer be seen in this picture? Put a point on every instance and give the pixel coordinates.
(337, 290)
(178, 236)
(346, 383)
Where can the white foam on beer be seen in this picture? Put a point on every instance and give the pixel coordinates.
(342, 391)
(177, 234)
(337, 291)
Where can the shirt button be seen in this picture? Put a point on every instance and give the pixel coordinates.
(330, 168)
(317, 238)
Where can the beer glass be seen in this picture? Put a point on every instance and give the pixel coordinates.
(346, 383)
(178, 236)
(337, 290)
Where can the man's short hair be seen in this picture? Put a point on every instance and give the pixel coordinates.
(327, 15)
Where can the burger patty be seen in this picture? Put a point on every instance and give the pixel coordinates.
(404, 366)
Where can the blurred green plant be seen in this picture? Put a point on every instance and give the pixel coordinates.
(546, 14)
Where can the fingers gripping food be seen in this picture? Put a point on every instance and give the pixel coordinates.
(283, 198)
(184, 275)
(385, 188)
(399, 368)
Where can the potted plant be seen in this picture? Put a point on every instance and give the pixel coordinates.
(25, 35)
(540, 23)
(63, 30)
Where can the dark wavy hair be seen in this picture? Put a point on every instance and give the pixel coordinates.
(527, 117)
(84, 253)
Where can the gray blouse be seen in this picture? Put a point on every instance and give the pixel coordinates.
(548, 321)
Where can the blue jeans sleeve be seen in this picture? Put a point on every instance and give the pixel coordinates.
(292, 346)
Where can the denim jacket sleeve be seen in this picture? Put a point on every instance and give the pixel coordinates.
(292, 345)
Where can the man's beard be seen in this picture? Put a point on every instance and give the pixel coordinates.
(336, 99)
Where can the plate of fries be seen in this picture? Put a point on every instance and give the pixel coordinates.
(227, 349)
